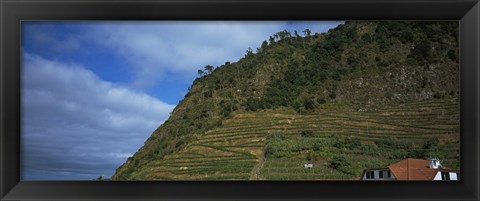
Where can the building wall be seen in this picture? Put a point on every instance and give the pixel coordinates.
(377, 175)
(453, 176)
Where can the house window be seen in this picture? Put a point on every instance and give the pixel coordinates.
(445, 175)
(389, 174)
(370, 175)
(384, 174)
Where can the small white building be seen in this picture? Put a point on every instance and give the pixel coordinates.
(412, 169)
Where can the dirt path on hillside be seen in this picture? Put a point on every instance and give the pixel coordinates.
(255, 173)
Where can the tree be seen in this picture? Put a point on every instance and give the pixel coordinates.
(209, 68)
(283, 34)
(353, 142)
(264, 45)
(276, 36)
(307, 32)
(271, 39)
(430, 148)
(296, 34)
(338, 162)
(287, 33)
(431, 144)
(200, 72)
(308, 104)
(307, 133)
(100, 178)
(321, 100)
(249, 52)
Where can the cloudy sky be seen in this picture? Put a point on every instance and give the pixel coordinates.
(93, 92)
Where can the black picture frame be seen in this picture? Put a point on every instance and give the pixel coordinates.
(12, 12)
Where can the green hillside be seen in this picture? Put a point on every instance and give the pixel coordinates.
(363, 95)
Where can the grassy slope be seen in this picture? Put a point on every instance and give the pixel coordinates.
(233, 150)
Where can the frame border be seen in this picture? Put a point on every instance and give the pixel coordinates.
(467, 12)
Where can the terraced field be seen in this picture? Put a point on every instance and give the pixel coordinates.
(236, 150)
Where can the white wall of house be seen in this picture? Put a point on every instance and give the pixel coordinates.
(376, 175)
(452, 175)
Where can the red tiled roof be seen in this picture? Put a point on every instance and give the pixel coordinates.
(412, 169)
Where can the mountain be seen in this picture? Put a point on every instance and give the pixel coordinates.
(363, 95)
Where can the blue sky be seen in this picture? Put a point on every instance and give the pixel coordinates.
(93, 92)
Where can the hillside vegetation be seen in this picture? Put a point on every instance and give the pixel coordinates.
(363, 95)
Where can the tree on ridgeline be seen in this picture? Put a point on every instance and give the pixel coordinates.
(249, 52)
(200, 72)
(271, 39)
(295, 33)
(209, 69)
(264, 45)
(307, 32)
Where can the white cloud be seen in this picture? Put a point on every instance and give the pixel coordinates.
(156, 50)
(72, 119)
(180, 47)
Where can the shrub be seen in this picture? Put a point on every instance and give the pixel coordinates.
(399, 154)
(369, 149)
(276, 137)
(316, 146)
(179, 143)
(394, 143)
(307, 133)
(438, 95)
(253, 104)
(432, 143)
(280, 149)
(338, 142)
(321, 100)
(278, 146)
(309, 157)
(353, 142)
(337, 162)
(332, 94)
(340, 163)
(418, 153)
(309, 104)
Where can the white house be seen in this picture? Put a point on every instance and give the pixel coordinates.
(412, 169)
